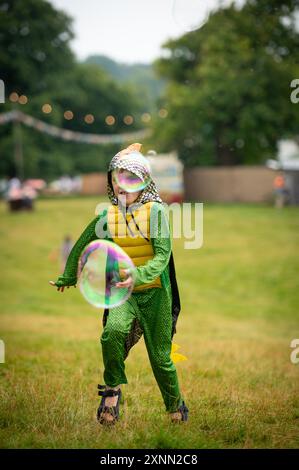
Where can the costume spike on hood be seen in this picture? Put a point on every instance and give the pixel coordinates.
(132, 148)
(134, 163)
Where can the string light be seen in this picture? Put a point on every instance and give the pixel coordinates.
(67, 134)
(14, 97)
(146, 117)
(47, 108)
(163, 113)
(89, 118)
(128, 120)
(23, 99)
(110, 120)
(68, 115)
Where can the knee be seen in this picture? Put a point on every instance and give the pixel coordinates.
(161, 361)
(112, 335)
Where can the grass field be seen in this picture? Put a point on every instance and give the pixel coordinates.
(240, 296)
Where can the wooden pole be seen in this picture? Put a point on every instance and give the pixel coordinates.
(18, 148)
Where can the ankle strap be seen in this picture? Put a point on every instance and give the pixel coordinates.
(109, 392)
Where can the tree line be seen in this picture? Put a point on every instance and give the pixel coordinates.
(226, 88)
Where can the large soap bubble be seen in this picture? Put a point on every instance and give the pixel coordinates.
(103, 264)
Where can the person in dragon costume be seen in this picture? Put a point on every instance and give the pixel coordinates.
(152, 309)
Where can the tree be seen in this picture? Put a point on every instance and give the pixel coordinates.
(141, 77)
(34, 44)
(36, 60)
(229, 85)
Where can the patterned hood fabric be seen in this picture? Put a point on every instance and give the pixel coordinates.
(136, 165)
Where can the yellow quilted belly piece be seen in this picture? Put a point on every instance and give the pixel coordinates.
(133, 239)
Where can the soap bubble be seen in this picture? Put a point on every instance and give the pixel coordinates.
(151, 153)
(102, 264)
(134, 173)
(190, 14)
(130, 182)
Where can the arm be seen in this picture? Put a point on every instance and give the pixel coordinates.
(161, 241)
(69, 277)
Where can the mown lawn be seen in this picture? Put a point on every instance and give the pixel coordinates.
(240, 296)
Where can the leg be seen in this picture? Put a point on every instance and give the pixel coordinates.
(156, 322)
(118, 326)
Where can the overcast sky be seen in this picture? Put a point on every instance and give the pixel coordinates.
(132, 30)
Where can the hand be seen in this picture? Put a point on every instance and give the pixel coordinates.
(61, 289)
(127, 283)
(124, 273)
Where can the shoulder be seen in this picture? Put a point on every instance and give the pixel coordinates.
(100, 221)
(159, 220)
(159, 208)
(103, 209)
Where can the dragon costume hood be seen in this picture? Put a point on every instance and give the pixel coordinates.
(134, 162)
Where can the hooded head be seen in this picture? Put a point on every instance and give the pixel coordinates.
(132, 160)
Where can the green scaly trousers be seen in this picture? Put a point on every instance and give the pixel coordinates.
(152, 309)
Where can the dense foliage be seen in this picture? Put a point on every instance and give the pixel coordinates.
(229, 85)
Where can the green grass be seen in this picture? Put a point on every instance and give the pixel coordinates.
(239, 294)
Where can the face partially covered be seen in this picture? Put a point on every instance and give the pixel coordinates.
(126, 198)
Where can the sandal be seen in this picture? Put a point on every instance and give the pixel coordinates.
(112, 410)
(183, 410)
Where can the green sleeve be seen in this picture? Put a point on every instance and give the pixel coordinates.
(161, 242)
(69, 277)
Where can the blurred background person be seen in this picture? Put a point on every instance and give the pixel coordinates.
(280, 191)
(29, 194)
(65, 250)
(14, 194)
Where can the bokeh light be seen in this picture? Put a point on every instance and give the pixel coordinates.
(14, 97)
(23, 99)
(47, 108)
(163, 113)
(89, 118)
(128, 120)
(110, 120)
(68, 115)
(146, 117)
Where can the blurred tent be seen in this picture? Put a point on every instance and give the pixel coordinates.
(20, 196)
(37, 184)
(64, 185)
(167, 172)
